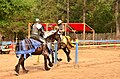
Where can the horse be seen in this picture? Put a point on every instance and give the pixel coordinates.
(64, 45)
(29, 44)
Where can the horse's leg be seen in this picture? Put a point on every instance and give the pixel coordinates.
(45, 63)
(67, 52)
(22, 64)
(52, 57)
(58, 59)
(17, 67)
(50, 63)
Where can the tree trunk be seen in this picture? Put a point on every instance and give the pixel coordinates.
(116, 16)
(67, 11)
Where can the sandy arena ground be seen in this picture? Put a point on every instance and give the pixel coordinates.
(97, 63)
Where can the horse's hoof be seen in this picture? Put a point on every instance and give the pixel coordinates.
(52, 61)
(16, 74)
(17, 71)
(47, 69)
(25, 71)
(50, 64)
(59, 59)
(69, 59)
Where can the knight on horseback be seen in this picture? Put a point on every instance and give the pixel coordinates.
(62, 33)
(61, 28)
(38, 33)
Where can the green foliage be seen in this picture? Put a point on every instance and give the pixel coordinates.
(76, 11)
(16, 14)
(100, 16)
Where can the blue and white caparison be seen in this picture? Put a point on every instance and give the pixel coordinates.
(32, 45)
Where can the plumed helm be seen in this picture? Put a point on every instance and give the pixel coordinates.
(37, 20)
(59, 21)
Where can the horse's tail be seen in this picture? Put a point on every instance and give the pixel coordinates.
(17, 48)
(69, 41)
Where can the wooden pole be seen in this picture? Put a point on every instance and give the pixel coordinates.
(84, 7)
(46, 27)
(84, 32)
(93, 34)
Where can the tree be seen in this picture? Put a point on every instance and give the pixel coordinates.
(116, 18)
(14, 15)
(99, 15)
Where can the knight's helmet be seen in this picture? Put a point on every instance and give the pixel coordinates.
(59, 21)
(37, 20)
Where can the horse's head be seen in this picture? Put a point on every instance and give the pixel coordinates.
(57, 36)
(53, 36)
